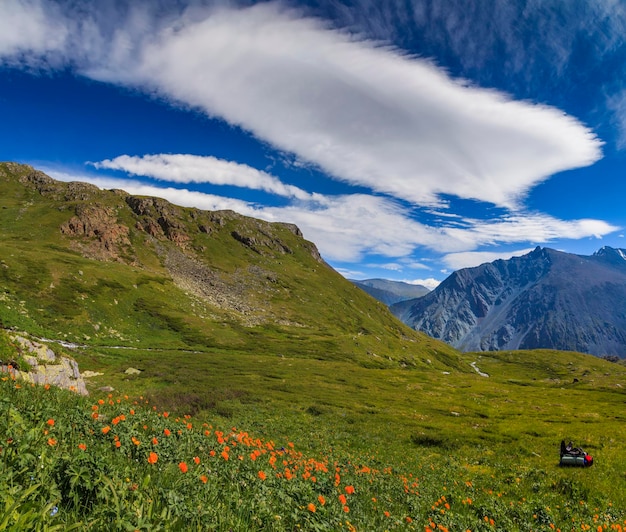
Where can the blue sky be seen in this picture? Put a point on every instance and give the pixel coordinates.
(406, 138)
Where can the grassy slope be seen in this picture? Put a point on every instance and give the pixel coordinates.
(293, 303)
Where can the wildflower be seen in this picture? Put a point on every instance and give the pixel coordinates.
(262, 475)
(183, 467)
(196, 460)
(155, 441)
(54, 511)
(387, 514)
(311, 507)
(167, 432)
(203, 479)
(115, 420)
(224, 454)
(342, 499)
(153, 457)
(118, 444)
(105, 430)
(52, 442)
(321, 500)
(135, 441)
(349, 490)
(346, 509)
(82, 446)
(50, 422)
(132, 412)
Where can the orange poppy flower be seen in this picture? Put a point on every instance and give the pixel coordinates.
(183, 467)
(196, 460)
(321, 500)
(203, 479)
(105, 430)
(52, 442)
(311, 507)
(152, 458)
(225, 455)
(262, 475)
(82, 446)
(342, 499)
(167, 432)
(349, 490)
(50, 422)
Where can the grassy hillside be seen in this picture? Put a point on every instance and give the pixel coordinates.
(239, 324)
(107, 269)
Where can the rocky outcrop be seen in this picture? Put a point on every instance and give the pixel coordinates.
(44, 366)
(104, 237)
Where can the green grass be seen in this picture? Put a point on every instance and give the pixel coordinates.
(409, 442)
(299, 355)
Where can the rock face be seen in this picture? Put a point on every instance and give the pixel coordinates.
(545, 299)
(46, 367)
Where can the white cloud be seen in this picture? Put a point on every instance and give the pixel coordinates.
(429, 283)
(349, 227)
(365, 114)
(26, 32)
(184, 168)
(469, 259)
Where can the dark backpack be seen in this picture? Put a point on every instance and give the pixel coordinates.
(574, 456)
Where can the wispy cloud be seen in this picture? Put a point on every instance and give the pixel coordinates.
(184, 168)
(349, 227)
(365, 114)
(469, 259)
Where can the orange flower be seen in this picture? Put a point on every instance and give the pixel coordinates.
(225, 454)
(321, 500)
(349, 490)
(183, 467)
(82, 446)
(311, 507)
(155, 441)
(135, 441)
(212, 452)
(346, 509)
(196, 460)
(50, 422)
(52, 442)
(118, 444)
(132, 412)
(167, 432)
(105, 430)
(203, 479)
(342, 499)
(115, 420)
(387, 514)
(262, 475)
(152, 458)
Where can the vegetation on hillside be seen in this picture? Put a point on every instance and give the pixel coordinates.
(294, 400)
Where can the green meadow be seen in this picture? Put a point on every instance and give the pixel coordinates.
(272, 394)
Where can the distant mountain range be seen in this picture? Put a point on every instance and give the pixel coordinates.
(390, 292)
(545, 299)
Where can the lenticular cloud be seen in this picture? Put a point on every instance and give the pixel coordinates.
(363, 113)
